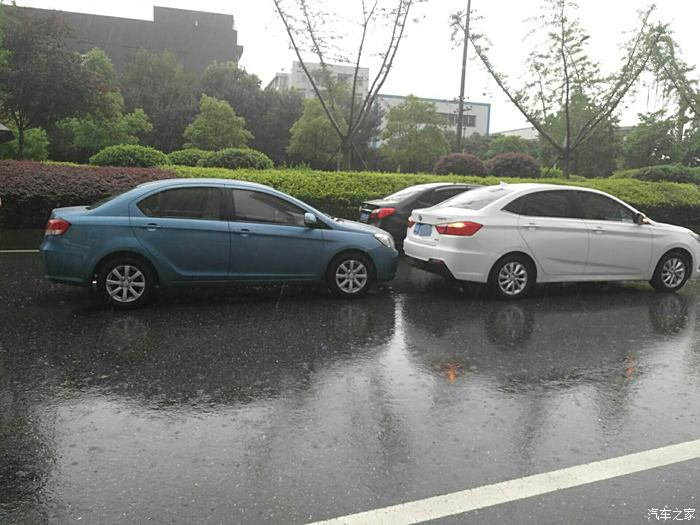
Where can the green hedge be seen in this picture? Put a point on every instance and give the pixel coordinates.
(341, 193)
(129, 155)
(666, 172)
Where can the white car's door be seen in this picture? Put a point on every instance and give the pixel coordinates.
(618, 246)
(556, 237)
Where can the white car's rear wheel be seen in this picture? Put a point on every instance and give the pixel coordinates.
(512, 277)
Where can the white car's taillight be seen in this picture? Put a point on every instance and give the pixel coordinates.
(463, 229)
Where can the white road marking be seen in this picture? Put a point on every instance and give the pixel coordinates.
(19, 251)
(480, 497)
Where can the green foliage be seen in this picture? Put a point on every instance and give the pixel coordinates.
(268, 114)
(477, 144)
(36, 145)
(510, 144)
(340, 193)
(188, 157)
(237, 158)
(42, 81)
(651, 142)
(459, 164)
(312, 138)
(216, 127)
(129, 155)
(78, 138)
(666, 172)
(413, 137)
(513, 165)
(159, 84)
(595, 157)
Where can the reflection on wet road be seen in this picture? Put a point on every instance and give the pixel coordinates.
(285, 406)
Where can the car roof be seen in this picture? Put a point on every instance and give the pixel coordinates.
(165, 183)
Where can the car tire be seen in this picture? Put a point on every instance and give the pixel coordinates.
(350, 275)
(126, 282)
(671, 272)
(512, 277)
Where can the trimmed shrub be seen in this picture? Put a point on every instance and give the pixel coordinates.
(513, 165)
(238, 158)
(340, 193)
(129, 155)
(666, 172)
(460, 164)
(188, 157)
(30, 190)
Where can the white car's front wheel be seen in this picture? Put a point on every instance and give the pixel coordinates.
(512, 277)
(671, 273)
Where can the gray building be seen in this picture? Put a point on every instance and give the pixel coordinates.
(196, 37)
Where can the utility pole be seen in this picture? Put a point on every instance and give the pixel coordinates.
(460, 113)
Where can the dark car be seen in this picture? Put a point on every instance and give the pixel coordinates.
(391, 213)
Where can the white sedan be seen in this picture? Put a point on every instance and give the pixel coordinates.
(512, 236)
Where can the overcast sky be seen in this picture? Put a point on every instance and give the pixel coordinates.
(427, 65)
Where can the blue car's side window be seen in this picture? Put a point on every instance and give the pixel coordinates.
(256, 206)
(184, 203)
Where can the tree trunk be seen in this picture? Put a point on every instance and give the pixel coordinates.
(20, 142)
(566, 155)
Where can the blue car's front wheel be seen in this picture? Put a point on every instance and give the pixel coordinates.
(350, 274)
(125, 282)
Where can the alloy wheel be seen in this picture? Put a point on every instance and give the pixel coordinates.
(512, 278)
(351, 276)
(673, 272)
(125, 284)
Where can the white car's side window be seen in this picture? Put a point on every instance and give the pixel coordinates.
(601, 208)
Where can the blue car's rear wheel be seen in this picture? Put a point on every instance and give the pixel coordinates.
(350, 275)
(125, 282)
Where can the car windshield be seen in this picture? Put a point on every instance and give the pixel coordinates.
(477, 199)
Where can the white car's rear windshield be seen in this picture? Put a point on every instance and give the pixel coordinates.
(477, 199)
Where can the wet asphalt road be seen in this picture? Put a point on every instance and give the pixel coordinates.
(286, 406)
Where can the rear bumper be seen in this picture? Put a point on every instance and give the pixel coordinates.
(463, 264)
(64, 263)
(431, 265)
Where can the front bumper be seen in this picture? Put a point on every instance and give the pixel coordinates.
(386, 262)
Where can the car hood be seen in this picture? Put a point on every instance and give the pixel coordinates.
(357, 227)
(671, 227)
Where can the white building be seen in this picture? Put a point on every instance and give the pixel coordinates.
(298, 81)
(529, 133)
(476, 118)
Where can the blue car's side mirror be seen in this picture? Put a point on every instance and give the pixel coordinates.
(310, 220)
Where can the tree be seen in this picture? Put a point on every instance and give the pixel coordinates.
(477, 144)
(41, 81)
(308, 29)
(312, 138)
(216, 127)
(597, 157)
(508, 144)
(651, 142)
(414, 136)
(36, 145)
(269, 114)
(560, 70)
(78, 138)
(159, 85)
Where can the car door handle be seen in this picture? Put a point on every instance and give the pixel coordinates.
(244, 232)
(151, 226)
(532, 226)
(598, 230)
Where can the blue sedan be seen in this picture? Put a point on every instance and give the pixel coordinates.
(210, 231)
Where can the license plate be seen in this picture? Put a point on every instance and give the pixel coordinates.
(423, 230)
(364, 216)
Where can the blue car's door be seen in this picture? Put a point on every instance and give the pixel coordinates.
(186, 231)
(269, 240)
